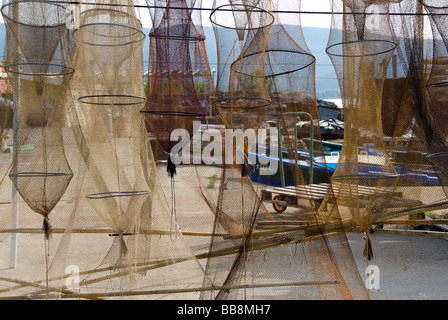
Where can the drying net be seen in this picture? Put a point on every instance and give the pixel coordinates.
(381, 63)
(436, 83)
(241, 100)
(180, 85)
(123, 228)
(360, 46)
(292, 86)
(407, 119)
(111, 236)
(253, 47)
(38, 58)
(176, 58)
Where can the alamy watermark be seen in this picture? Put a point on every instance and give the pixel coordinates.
(227, 146)
(72, 281)
(373, 277)
(373, 20)
(72, 19)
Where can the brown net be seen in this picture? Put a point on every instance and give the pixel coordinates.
(176, 57)
(406, 114)
(302, 158)
(111, 234)
(381, 60)
(261, 62)
(123, 191)
(122, 228)
(436, 83)
(38, 56)
(360, 49)
(241, 100)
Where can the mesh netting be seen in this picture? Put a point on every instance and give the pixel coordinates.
(123, 228)
(360, 55)
(38, 54)
(435, 85)
(254, 80)
(176, 57)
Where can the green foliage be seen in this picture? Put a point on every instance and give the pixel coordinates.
(212, 180)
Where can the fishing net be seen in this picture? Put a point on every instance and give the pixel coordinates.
(293, 89)
(180, 85)
(123, 191)
(436, 83)
(241, 29)
(176, 57)
(241, 100)
(381, 63)
(111, 237)
(108, 43)
(112, 39)
(360, 46)
(406, 116)
(38, 58)
(252, 73)
(123, 228)
(290, 75)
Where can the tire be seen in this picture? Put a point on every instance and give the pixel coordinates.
(278, 207)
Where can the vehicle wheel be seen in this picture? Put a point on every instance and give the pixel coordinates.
(278, 207)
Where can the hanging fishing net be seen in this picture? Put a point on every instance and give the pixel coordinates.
(436, 85)
(38, 60)
(113, 234)
(360, 46)
(120, 218)
(290, 76)
(406, 117)
(252, 73)
(301, 154)
(381, 64)
(241, 29)
(112, 38)
(39, 32)
(173, 100)
(124, 229)
(110, 93)
(241, 100)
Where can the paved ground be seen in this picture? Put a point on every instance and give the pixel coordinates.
(411, 267)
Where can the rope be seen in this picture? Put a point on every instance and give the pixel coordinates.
(173, 221)
(273, 11)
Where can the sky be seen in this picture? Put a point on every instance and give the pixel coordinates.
(308, 20)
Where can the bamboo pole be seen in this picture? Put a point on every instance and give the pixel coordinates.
(255, 246)
(420, 233)
(419, 209)
(286, 236)
(416, 222)
(109, 231)
(96, 295)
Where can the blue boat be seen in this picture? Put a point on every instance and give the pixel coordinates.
(269, 157)
(323, 168)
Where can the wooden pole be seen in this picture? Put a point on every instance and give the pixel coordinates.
(419, 233)
(96, 295)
